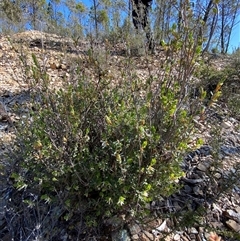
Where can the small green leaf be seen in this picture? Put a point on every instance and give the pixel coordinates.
(153, 162)
(54, 179)
(121, 200)
(35, 60)
(144, 144)
(68, 203)
(46, 198)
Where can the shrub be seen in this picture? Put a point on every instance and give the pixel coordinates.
(100, 148)
(107, 145)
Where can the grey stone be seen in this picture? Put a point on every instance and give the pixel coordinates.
(187, 189)
(121, 235)
(197, 190)
(192, 181)
(202, 167)
(233, 215)
(135, 237)
(162, 228)
(193, 230)
(134, 229)
(217, 225)
(226, 124)
(217, 175)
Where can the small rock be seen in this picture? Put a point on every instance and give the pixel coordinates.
(162, 228)
(217, 225)
(187, 189)
(204, 166)
(53, 65)
(217, 175)
(177, 206)
(221, 156)
(215, 207)
(216, 216)
(168, 238)
(201, 174)
(207, 235)
(233, 215)
(192, 181)
(121, 235)
(115, 221)
(198, 237)
(192, 237)
(146, 236)
(237, 209)
(193, 231)
(63, 67)
(226, 124)
(176, 237)
(134, 229)
(135, 237)
(233, 225)
(197, 190)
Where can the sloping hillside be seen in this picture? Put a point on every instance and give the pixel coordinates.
(203, 182)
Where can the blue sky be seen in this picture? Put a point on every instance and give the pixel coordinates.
(235, 37)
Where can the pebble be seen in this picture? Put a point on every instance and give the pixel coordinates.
(193, 231)
(198, 191)
(217, 175)
(134, 229)
(202, 167)
(233, 225)
(121, 235)
(226, 124)
(177, 237)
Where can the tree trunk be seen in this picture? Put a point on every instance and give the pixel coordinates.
(205, 18)
(95, 17)
(222, 28)
(232, 25)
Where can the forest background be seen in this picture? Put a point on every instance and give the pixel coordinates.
(103, 18)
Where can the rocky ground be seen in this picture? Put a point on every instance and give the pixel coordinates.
(208, 172)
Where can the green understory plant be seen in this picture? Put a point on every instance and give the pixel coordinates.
(101, 149)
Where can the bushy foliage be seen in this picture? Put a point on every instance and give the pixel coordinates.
(223, 84)
(100, 148)
(105, 145)
(231, 92)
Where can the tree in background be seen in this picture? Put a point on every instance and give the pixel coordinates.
(228, 11)
(55, 18)
(163, 14)
(140, 17)
(34, 10)
(99, 16)
(74, 22)
(11, 18)
(219, 17)
(12, 10)
(215, 18)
